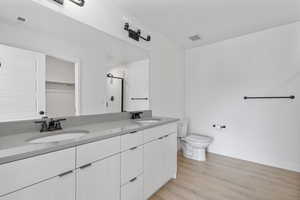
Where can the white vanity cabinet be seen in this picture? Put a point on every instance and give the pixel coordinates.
(128, 167)
(99, 180)
(170, 156)
(30, 177)
(132, 166)
(133, 190)
(98, 170)
(59, 187)
(160, 158)
(153, 167)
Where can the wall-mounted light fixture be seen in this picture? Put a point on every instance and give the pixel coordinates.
(78, 2)
(135, 35)
(61, 2)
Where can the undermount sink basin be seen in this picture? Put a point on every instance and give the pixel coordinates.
(58, 137)
(148, 121)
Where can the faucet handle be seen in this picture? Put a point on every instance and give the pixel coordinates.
(57, 124)
(44, 124)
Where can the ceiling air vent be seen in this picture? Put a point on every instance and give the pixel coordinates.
(195, 37)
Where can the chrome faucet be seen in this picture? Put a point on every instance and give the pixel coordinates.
(50, 125)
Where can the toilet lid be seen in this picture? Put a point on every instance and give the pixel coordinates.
(198, 138)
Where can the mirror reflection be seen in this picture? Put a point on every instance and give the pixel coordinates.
(127, 87)
(62, 87)
(53, 71)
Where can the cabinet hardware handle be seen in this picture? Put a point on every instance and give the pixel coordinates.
(133, 148)
(132, 180)
(65, 173)
(161, 138)
(86, 166)
(132, 132)
(166, 136)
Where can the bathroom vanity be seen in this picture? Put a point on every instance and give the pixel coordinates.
(120, 160)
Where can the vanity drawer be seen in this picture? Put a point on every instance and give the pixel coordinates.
(133, 190)
(22, 173)
(92, 152)
(131, 164)
(159, 131)
(131, 140)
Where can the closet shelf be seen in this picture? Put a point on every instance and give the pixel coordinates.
(60, 82)
(59, 91)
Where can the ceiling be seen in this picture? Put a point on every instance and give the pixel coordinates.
(213, 20)
(42, 20)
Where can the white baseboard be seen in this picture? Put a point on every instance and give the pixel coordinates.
(283, 165)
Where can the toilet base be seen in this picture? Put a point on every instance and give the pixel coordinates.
(193, 153)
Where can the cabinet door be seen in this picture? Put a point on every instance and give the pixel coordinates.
(133, 190)
(23, 173)
(22, 84)
(131, 164)
(99, 180)
(170, 147)
(60, 187)
(153, 167)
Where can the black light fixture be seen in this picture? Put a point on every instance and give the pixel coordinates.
(78, 2)
(135, 35)
(61, 2)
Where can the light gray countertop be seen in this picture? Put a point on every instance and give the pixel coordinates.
(16, 146)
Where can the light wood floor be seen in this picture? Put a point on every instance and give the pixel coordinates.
(223, 178)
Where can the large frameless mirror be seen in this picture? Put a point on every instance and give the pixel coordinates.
(54, 66)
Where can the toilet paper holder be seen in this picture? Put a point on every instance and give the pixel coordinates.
(218, 126)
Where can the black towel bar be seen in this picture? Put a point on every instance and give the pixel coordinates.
(139, 99)
(278, 97)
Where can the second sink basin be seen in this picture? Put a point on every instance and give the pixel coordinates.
(58, 137)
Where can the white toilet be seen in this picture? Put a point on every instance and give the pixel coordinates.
(193, 145)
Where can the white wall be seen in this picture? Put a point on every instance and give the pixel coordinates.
(266, 63)
(167, 60)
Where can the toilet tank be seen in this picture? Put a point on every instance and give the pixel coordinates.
(182, 128)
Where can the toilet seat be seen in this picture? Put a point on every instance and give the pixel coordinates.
(197, 139)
